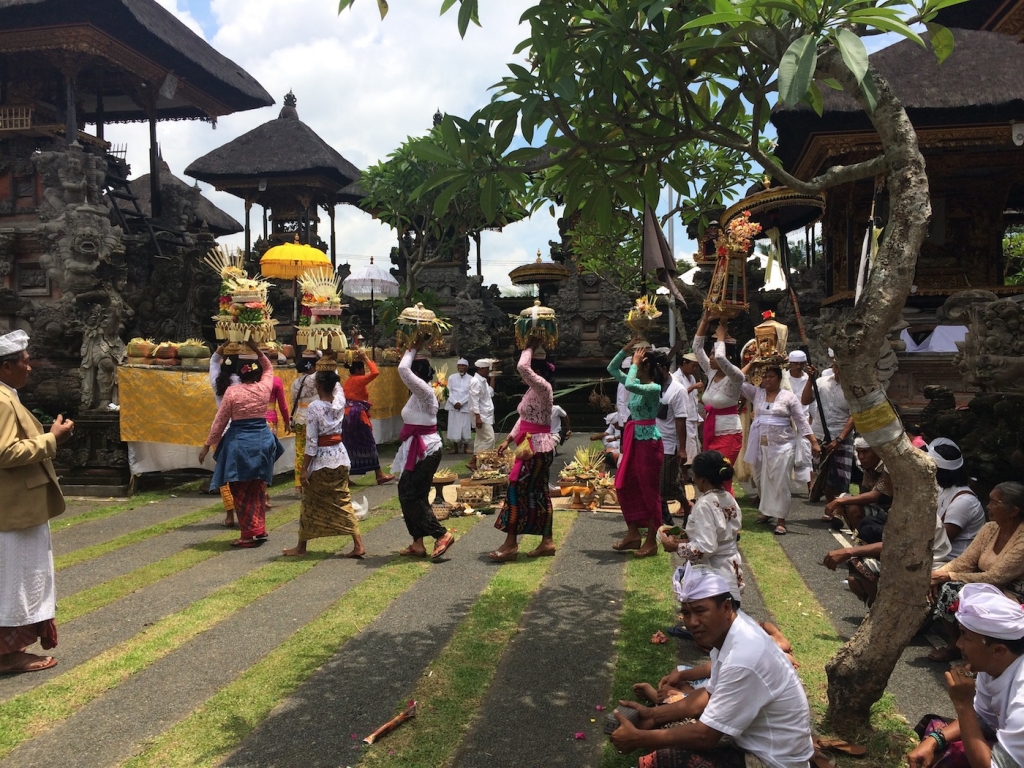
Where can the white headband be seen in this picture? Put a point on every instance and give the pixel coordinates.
(943, 463)
(693, 584)
(986, 610)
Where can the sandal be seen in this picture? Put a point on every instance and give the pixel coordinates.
(386, 479)
(763, 520)
(780, 530)
(646, 552)
(504, 557)
(840, 745)
(542, 551)
(826, 519)
(248, 543)
(35, 663)
(443, 545)
(410, 552)
(623, 546)
(943, 655)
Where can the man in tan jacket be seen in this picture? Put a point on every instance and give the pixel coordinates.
(31, 496)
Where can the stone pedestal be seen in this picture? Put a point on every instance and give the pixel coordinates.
(94, 462)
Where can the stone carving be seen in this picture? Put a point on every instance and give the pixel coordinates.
(990, 357)
(102, 346)
(954, 309)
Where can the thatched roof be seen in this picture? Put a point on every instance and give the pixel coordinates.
(148, 29)
(980, 82)
(977, 14)
(285, 147)
(217, 221)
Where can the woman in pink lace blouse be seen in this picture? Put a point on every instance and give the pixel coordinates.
(246, 453)
(527, 506)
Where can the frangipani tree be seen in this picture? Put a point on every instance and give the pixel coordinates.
(615, 97)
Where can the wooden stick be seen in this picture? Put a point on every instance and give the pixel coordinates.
(391, 724)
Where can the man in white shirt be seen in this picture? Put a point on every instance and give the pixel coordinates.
(686, 374)
(481, 408)
(674, 413)
(798, 380)
(754, 695)
(840, 428)
(557, 415)
(460, 430)
(990, 706)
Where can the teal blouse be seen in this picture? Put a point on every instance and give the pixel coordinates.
(644, 399)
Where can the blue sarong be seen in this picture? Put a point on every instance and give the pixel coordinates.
(248, 451)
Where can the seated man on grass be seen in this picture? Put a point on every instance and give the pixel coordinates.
(866, 512)
(753, 696)
(989, 729)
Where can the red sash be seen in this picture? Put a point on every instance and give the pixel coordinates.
(325, 441)
(418, 448)
(709, 420)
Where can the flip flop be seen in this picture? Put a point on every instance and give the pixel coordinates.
(538, 552)
(763, 520)
(41, 663)
(387, 479)
(348, 556)
(648, 553)
(780, 530)
(840, 745)
(248, 543)
(826, 519)
(443, 545)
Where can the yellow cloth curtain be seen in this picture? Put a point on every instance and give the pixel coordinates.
(160, 405)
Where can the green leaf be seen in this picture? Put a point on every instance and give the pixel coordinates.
(382, 6)
(487, 198)
(796, 69)
(832, 83)
(446, 5)
(712, 19)
(867, 87)
(444, 200)
(450, 134)
(813, 98)
(343, 4)
(432, 153)
(467, 13)
(504, 134)
(941, 40)
(871, 18)
(855, 55)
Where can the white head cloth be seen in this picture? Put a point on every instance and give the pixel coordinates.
(697, 583)
(943, 463)
(463, 361)
(15, 341)
(986, 610)
(627, 363)
(483, 362)
(797, 356)
(860, 444)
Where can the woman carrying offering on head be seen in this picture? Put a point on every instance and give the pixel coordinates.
(358, 434)
(722, 430)
(224, 373)
(326, 502)
(638, 479)
(526, 509)
(770, 444)
(246, 452)
(419, 455)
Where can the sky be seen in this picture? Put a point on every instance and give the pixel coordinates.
(364, 85)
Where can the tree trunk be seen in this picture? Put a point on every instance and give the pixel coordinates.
(859, 672)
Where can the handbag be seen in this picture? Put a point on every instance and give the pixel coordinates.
(524, 450)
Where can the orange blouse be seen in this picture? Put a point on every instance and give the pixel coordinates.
(357, 387)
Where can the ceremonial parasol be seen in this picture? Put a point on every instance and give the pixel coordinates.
(371, 283)
(290, 261)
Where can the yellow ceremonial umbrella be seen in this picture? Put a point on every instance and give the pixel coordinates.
(289, 261)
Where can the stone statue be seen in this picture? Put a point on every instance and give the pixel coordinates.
(102, 346)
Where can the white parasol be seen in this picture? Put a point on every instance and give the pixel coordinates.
(371, 283)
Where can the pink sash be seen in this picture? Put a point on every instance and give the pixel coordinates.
(709, 420)
(526, 428)
(418, 449)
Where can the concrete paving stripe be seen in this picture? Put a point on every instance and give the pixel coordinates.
(303, 643)
(60, 698)
(533, 710)
(449, 694)
(98, 630)
(359, 688)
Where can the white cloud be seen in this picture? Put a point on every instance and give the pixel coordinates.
(183, 15)
(363, 85)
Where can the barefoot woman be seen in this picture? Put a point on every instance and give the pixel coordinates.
(527, 506)
(638, 479)
(326, 502)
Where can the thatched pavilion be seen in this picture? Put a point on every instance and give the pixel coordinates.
(198, 210)
(287, 169)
